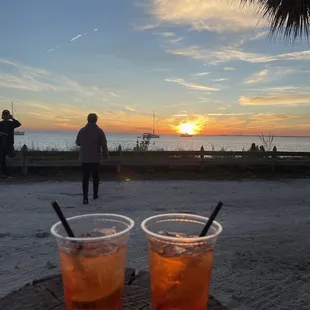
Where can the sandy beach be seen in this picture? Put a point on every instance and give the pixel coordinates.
(261, 259)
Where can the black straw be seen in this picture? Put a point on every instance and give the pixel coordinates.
(211, 219)
(62, 219)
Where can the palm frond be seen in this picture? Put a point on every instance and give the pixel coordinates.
(288, 17)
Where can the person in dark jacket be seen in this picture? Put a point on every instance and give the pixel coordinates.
(7, 127)
(91, 140)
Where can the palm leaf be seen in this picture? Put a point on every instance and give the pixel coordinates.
(288, 17)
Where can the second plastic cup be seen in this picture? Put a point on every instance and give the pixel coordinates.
(93, 263)
(180, 261)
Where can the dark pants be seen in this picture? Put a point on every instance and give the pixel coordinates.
(90, 168)
(6, 150)
(3, 154)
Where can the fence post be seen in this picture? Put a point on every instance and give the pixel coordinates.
(24, 160)
(202, 156)
(119, 165)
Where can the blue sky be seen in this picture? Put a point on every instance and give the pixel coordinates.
(207, 62)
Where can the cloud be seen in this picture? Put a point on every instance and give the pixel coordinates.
(202, 73)
(177, 40)
(54, 49)
(176, 105)
(211, 15)
(227, 54)
(25, 82)
(17, 75)
(263, 118)
(275, 99)
(220, 80)
(166, 34)
(229, 69)
(96, 29)
(77, 37)
(257, 77)
(130, 109)
(37, 72)
(115, 95)
(286, 88)
(229, 114)
(145, 27)
(181, 114)
(191, 85)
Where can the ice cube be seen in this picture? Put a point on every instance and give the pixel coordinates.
(171, 251)
(175, 234)
(108, 231)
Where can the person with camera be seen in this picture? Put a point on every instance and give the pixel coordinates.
(7, 127)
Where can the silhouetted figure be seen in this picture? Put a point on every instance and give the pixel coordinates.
(7, 127)
(261, 148)
(91, 140)
(253, 148)
(274, 149)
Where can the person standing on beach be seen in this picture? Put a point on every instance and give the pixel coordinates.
(91, 140)
(7, 127)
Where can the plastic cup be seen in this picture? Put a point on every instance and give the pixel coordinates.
(93, 263)
(180, 261)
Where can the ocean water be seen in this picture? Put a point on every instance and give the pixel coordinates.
(66, 141)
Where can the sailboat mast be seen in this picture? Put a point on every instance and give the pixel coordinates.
(12, 108)
(153, 122)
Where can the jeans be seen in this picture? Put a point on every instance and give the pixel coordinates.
(88, 169)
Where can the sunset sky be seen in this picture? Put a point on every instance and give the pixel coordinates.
(204, 62)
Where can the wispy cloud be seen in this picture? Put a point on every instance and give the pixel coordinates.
(177, 40)
(96, 29)
(263, 118)
(145, 27)
(258, 77)
(220, 80)
(20, 76)
(202, 73)
(286, 88)
(181, 114)
(229, 69)
(229, 114)
(218, 16)
(166, 34)
(114, 95)
(53, 49)
(130, 109)
(190, 85)
(227, 54)
(175, 105)
(77, 37)
(275, 99)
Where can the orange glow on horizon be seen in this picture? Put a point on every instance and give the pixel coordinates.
(187, 128)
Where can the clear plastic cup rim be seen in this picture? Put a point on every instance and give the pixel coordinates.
(217, 225)
(131, 223)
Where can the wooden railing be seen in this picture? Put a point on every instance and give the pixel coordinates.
(26, 158)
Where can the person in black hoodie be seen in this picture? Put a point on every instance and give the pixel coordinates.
(7, 126)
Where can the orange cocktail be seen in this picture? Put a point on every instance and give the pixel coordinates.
(180, 261)
(93, 265)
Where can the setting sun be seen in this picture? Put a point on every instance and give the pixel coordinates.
(188, 128)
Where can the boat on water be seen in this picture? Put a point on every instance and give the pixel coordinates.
(153, 134)
(17, 132)
(185, 135)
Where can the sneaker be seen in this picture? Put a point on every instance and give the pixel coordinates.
(96, 197)
(7, 177)
(85, 201)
